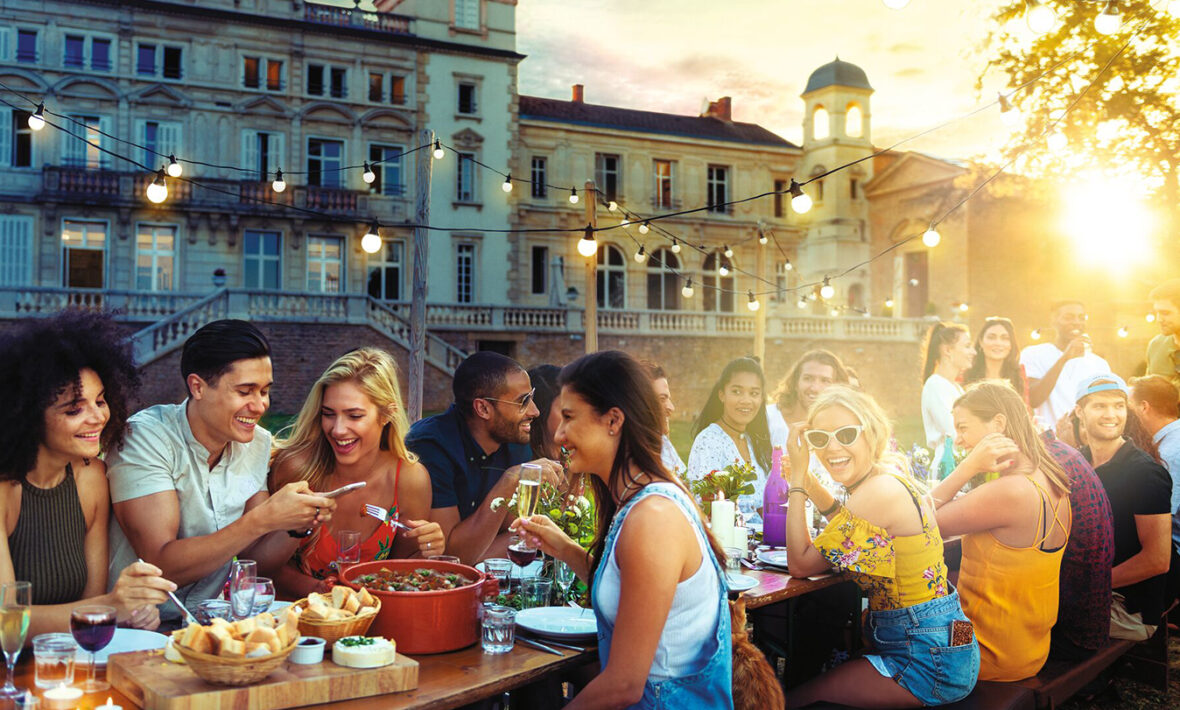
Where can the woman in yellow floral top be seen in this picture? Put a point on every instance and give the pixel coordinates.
(885, 536)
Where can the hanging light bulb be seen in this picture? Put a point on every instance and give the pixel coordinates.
(612, 206)
(1150, 318)
(752, 303)
(931, 238)
(157, 191)
(788, 266)
(506, 186)
(37, 118)
(687, 290)
(279, 183)
(889, 303)
(963, 307)
(641, 255)
(728, 252)
(723, 270)
(1035, 334)
(834, 312)
(573, 195)
(762, 238)
(800, 201)
(371, 242)
(644, 229)
(1109, 20)
(1040, 17)
(675, 247)
(624, 224)
(1123, 331)
(802, 303)
(174, 168)
(827, 290)
(368, 175)
(1056, 140)
(895, 4)
(439, 153)
(1009, 114)
(588, 245)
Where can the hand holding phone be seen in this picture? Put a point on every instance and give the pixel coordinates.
(344, 489)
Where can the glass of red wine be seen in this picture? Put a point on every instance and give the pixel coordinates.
(93, 627)
(521, 554)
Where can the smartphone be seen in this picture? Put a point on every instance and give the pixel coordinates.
(343, 489)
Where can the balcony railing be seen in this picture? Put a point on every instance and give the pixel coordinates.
(349, 17)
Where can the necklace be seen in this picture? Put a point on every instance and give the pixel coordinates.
(854, 486)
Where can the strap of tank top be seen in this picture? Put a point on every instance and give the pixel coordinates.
(647, 490)
(914, 497)
(396, 475)
(1042, 526)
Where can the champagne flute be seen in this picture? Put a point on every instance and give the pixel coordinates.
(563, 575)
(93, 626)
(16, 600)
(241, 596)
(528, 493)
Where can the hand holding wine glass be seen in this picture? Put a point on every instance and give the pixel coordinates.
(93, 626)
(16, 601)
(528, 494)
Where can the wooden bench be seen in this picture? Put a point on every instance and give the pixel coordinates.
(986, 696)
(1060, 680)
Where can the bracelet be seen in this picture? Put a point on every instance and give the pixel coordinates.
(827, 513)
(797, 489)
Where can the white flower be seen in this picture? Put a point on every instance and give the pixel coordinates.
(584, 503)
(496, 503)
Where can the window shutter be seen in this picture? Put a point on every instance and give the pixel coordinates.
(278, 152)
(6, 44)
(170, 139)
(73, 149)
(147, 157)
(104, 125)
(16, 250)
(6, 136)
(250, 153)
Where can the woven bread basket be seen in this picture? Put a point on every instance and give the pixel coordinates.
(333, 630)
(223, 670)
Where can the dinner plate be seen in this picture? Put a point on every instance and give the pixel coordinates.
(126, 641)
(559, 622)
(774, 558)
(739, 582)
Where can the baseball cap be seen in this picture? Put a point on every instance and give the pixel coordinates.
(1101, 383)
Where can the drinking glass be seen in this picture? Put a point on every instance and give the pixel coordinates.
(447, 558)
(501, 569)
(264, 593)
(528, 493)
(211, 609)
(733, 560)
(54, 656)
(536, 591)
(93, 627)
(564, 576)
(348, 548)
(499, 628)
(241, 597)
(16, 600)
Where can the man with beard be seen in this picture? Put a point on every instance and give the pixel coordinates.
(1055, 369)
(659, 382)
(473, 453)
(1140, 491)
(1162, 358)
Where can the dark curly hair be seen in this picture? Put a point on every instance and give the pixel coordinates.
(39, 360)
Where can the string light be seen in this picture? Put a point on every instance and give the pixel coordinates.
(675, 246)
(752, 303)
(687, 290)
(37, 118)
(625, 223)
(371, 242)
(931, 238)
(279, 183)
(1009, 114)
(788, 266)
(368, 175)
(834, 312)
(1040, 17)
(438, 153)
(174, 168)
(641, 255)
(1110, 19)
(827, 290)
(1123, 331)
(963, 307)
(1035, 334)
(889, 303)
(802, 303)
(1056, 140)
(728, 252)
(1150, 317)
(913, 282)
(507, 184)
(612, 206)
(573, 195)
(157, 191)
(723, 270)
(644, 229)
(588, 245)
(800, 201)
(762, 238)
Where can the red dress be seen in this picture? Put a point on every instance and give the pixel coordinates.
(317, 555)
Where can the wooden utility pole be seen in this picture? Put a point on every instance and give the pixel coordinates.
(416, 376)
(591, 313)
(760, 314)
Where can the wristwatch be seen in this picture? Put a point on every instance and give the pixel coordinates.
(299, 534)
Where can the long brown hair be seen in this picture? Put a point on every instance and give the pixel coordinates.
(613, 379)
(786, 395)
(988, 398)
(940, 334)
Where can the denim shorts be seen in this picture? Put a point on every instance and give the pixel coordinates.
(911, 646)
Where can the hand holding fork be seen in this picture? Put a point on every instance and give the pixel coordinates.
(431, 542)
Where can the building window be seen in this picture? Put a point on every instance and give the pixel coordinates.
(854, 188)
(323, 79)
(16, 138)
(262, 153)
(324, 162)
(26, 46)
(155, 257)
(385, 272)
(75, 52)
(16, 250)
(386, 163)
(397, 89)
(261, 259)
(717, 188)
(338, 83)
(539, 175)
(608, 175)
(467, 99)
(467, 14)
(540, 270)
(159, 140)
(86, 52)
(379, 81)
(262, 72)
(663, 281)
(156, 60)
(819, 190)
(84, 245)
(465, 178)
(325, 264)
(780, 197)
(376, 87)
(820, 123)
(612, 277)
(82, 141)
(717, 294)
(663, 172)
(464, 273)
(854, 121)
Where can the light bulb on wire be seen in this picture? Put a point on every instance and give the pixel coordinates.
(728, 252)
(644, 229)
(1009, 114)
(612, 206)
(788, 266)
(800, 200)
(963, 307)
(279, 184)
(1123, 331)
(368, 175)
(439, 153)
(174, 168)
(157, 191)
(752, 303)
(506, 186)
(1109, 20)
(371, 242)
(802, 303)
(687, 290)
(1040, 17)
(723, 270)
(1150, 318)
(588, 245)
(37, 118)
(889, 303)
(641, 255)
(1035, 334)
(573, 195)
(675, 246)
(827, 290)
(762, 238)
(931, 238)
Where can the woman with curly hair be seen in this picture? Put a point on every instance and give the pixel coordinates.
(352, 428)
(997, 356)
(68, 381)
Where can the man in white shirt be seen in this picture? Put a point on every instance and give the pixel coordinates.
(189, 485)
(668, 453)
(1055, 369)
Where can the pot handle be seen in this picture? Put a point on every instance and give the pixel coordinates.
(490, 588)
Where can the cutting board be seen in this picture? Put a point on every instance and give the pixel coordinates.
(156, 684)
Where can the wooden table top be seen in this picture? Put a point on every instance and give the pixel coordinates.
(774, 586)
(446, 680)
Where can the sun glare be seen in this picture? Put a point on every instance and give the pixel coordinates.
(1107, 222)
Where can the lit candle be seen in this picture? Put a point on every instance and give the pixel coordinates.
(110, 705)
(721, 520)
(63, 696)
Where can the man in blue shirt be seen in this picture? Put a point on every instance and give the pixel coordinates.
(473, 453)
(1154, 400)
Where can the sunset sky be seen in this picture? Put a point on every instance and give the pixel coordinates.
(670, 55)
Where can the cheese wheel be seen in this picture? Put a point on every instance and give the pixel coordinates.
(374, 653)
(171, 654)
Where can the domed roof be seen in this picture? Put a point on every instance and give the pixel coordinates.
(837, 73)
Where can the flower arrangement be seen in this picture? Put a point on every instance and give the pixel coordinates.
(736, 479)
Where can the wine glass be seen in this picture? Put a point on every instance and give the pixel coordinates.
(93, 626)
(563, 575)
(520, 553)
(264, 593)
(241, 597)
(16, 599)
(528, 494)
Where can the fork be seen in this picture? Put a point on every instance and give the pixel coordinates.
(381, 514)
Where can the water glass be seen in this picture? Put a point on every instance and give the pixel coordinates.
(264, 594)
(447, 558)
(54, 656)
(499, 628)
(536, 591)
(733, 560)
(211, 609)
(241, 597)
(500, 568)
(348, 548)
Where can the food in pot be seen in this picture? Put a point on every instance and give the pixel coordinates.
(363, 652)
(418, 580)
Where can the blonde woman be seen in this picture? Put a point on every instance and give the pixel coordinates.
(1014, 530)
(351, 429)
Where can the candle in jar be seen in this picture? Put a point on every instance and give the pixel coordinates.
(721, 521)
(62, 696)
(109, 705)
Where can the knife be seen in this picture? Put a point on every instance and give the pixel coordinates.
(579, 649)
(539, 646)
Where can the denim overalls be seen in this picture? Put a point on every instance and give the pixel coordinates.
(711, 686)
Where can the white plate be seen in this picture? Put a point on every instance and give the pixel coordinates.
(774, 558)
(739, 582)
(276, 607)
(559, 622)
(126, 641)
